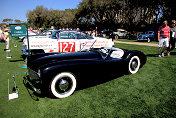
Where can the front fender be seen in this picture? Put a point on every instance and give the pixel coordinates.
(61, 66)
(129, 54)
(36, 56)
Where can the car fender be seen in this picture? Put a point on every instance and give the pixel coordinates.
(54, 68)
(129, 54)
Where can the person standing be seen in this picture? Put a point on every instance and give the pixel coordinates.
(1, 35)
(163, 38)
(172, 37)
(6, 38)
(53, 29)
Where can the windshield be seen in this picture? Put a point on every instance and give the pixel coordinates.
(148, 32)
(70, 35)
(46, 32)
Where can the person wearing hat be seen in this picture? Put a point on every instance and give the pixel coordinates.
(172, 37)
(6, 38)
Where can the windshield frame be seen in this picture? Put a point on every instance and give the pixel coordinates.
(83, 34)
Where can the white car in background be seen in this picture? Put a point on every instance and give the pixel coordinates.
(64, 41)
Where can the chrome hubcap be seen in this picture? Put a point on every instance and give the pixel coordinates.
(63, 85)
(134, 64)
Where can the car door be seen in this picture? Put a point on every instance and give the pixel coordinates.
(85, 41)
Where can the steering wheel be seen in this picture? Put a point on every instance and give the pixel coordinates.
(104, 50)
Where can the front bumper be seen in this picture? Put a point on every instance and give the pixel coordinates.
(34, 79)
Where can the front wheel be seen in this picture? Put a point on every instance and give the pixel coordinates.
(134, 65)
(63, 85)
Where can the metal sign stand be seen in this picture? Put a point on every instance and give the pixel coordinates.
(8, 54)
(15, 44)
(28, 39)
(15, 94)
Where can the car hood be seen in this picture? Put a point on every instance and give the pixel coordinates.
(64, 57)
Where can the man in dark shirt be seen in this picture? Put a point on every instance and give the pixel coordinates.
(172, 37)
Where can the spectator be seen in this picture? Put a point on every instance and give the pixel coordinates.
(1, 35)
(172, 37)
(163, 38)
(6, 38)
(53, 30)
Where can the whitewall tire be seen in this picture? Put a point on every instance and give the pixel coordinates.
(134, 65)
(63, 85)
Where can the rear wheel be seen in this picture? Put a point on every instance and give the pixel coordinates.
(63, 85)
(134, 65)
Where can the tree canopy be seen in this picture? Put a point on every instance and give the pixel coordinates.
(42, 17)
(105, 14)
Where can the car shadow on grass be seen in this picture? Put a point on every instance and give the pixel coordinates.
(16, 60)
(156, 55)
(173, 53)
(152, 55)
(94, 80)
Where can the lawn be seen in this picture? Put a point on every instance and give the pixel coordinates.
(149, 93)
(127, 40)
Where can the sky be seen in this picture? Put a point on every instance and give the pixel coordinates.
(17, 9)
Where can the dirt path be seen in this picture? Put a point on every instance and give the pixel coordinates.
(134, 43)
(138, 43)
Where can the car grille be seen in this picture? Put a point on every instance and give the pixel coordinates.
(33, 75)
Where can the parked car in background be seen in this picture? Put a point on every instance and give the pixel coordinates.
(106, 32)
(147, 36)
(63, 41)
(121, 33)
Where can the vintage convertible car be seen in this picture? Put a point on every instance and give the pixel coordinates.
(59, 73)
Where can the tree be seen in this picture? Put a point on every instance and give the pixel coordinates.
(112, 14)
(37, 17)
(42, 17)
(17, 21)
(99, 13)
(3, 24)
(128, 14)
(7, 20)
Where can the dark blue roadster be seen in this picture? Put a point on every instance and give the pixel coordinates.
(59, 73)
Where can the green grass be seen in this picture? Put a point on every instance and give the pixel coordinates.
(149, 93)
